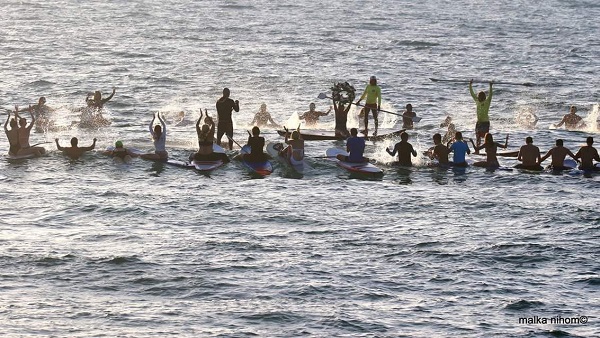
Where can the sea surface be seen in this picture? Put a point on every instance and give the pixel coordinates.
(92, 248)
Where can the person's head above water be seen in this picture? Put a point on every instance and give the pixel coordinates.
(74, 142)
(255, 131)
(226, 92)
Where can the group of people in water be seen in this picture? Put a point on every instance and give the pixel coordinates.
(343, 97)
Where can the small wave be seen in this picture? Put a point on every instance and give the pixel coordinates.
(523, 304)
(119, 260)
(42, 83)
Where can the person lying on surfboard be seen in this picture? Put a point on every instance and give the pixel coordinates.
(312, 116)
(120, 152)
(529, 155)
(294, 152)
(491, 149)
(206, 136)
(404, 150)
(355, 146)
(439, 151)
(257, 145)
(460, 149)
(558, 154)
(588, 154)
(74, 151)
(572, 120)
(159, 136)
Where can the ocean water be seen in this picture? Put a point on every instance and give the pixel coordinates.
(97, 249)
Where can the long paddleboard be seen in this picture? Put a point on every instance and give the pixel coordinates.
(273, 150)
(364, 168)
(262, 168)
(11, 157)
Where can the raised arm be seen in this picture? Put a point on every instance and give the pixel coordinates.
(471, 90)
(489, 97)
(110, 97)
(58, 145)
(32, 119)
(6, 123)
(506, 142)
(151, 126)
(162, 123)
(90, 147)
(198, 130)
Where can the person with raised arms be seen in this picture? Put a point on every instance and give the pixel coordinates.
(587, 154)
(97, 101)
(558, 154)
(341, 106)
(404, 150)
(263, 117)
(460, 149)
(439, 151)
(74, 151)
(373, 103)
(482, 126)
(572, 120)
(312, 116)
(529, 156)
(24, 132)
(13, 135)
(294, 152)
(159, 137)
(355, 146)
(206, 136)
(225, 106)
(491, 149)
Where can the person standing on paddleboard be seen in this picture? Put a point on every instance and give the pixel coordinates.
(373, 103)
(355, 146)
(483, 109)
(225, 106)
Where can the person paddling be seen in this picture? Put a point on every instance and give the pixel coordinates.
(373, 103)
(74, 151)
(159, 137)
(404, 150)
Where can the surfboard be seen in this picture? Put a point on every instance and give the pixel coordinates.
(262, 168)
(210, 164)
(273, 149)
(11, 157)
(364, 168)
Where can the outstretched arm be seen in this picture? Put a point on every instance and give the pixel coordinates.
(548, 154)
(90, 147)
(571, 154)
(58, 145)
(32, 119)
(392, 152)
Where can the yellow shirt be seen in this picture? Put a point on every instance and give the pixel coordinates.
(373, 94)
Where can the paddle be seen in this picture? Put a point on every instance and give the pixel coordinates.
(414, 118)
(526, 84)
(234, 141)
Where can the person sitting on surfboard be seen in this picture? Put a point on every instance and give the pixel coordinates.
(572, 120)
(312, 116)
(159, 136)
(257, 145)
(12, 135)
(74, 151)
(482, 126)
(588, 154)
(206, 136)
(404, 150)
(460, 148)
(439, 151)
(558, 154)
(407, 117)
(263, 117)
(294, 152)
(355, 146)
(373, 103)
(491, 149)
(24, 132)
(529, 155)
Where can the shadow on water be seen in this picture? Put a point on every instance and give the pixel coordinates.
(157, 168)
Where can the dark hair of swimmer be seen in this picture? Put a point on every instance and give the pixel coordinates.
(157, 131)
(404, 136)
(255, 131)
(354, 132)
(226, 92)
(458, 135)
(437, 138)
(74, 142)
(589, 140)
(559, 142)
(529, 140)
